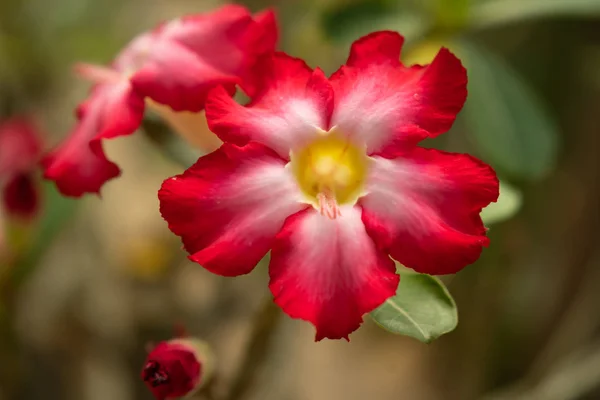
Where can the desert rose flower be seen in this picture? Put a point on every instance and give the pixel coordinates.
(173, 65)
(326, 173)
(20, 150)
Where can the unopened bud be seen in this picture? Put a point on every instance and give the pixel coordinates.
(178, 368)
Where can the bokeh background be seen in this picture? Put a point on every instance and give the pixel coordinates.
(90, 282)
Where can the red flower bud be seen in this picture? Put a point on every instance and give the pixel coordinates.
(177, 368)
(20, 147)
(21, 197)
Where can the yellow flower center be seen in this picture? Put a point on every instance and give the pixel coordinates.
(330, 171)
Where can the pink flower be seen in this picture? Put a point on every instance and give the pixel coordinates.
(326, 173)
(175, 65)
(20, 148)
(177, 368)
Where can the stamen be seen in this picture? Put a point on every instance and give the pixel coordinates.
(331, 162)
(97, 73)
(328, 205)
(154, 374)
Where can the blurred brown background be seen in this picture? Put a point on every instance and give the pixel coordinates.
(98, 278)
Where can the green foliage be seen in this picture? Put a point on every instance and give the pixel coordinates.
(413, 18)
(451, 14)
(508, 204)
(346, 23)
(497, 12)
(57, 210)
(422, 308)
(506, 120)
(339, 20)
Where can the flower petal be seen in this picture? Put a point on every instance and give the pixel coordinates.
(229, 206)
(292, 104)
(174, 81)
(390, 107)
(329, 272)
(20, 146)
(79, 165)
(183, 59)
(78, 168)
(424, 208)
(382, 47)
(263, 40)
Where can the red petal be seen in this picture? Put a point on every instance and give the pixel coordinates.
(267, 33)
(424, 208)
(79, 165)
(229, 206)
(20, 146)
(390, 107)
(175, 82)
(292, 103)
(21, 197)
(191, 55)
(382, 47)
(263, 39)
(329, 272)
(78, 168)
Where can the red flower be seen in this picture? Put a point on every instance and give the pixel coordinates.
(20, 148)
(175, 64)
(176, 368)
(325, 173)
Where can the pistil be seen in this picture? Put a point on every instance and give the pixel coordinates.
(97, 73)
(328, 205)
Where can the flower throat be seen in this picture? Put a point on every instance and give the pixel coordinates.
(331, 172)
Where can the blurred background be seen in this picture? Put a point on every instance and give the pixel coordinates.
(89, 282)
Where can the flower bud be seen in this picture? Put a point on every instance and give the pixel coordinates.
(21, 197)
(177, 368)
(20, 148)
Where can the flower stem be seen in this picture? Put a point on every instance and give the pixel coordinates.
(263, 330)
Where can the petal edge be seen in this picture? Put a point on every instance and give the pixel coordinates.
(228, 207)
(329, 272)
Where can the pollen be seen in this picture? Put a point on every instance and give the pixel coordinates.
(330, 171)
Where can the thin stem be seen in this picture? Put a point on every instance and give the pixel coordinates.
(572, 377)
(263, 330)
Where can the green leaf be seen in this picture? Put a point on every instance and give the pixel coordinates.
(338, 21)
(506, 121)
(508, 204)
(497, 12)
(422, 308)
(57, 210)
(349, 22)
(452, 13)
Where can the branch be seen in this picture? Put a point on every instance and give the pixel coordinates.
(263, 330)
